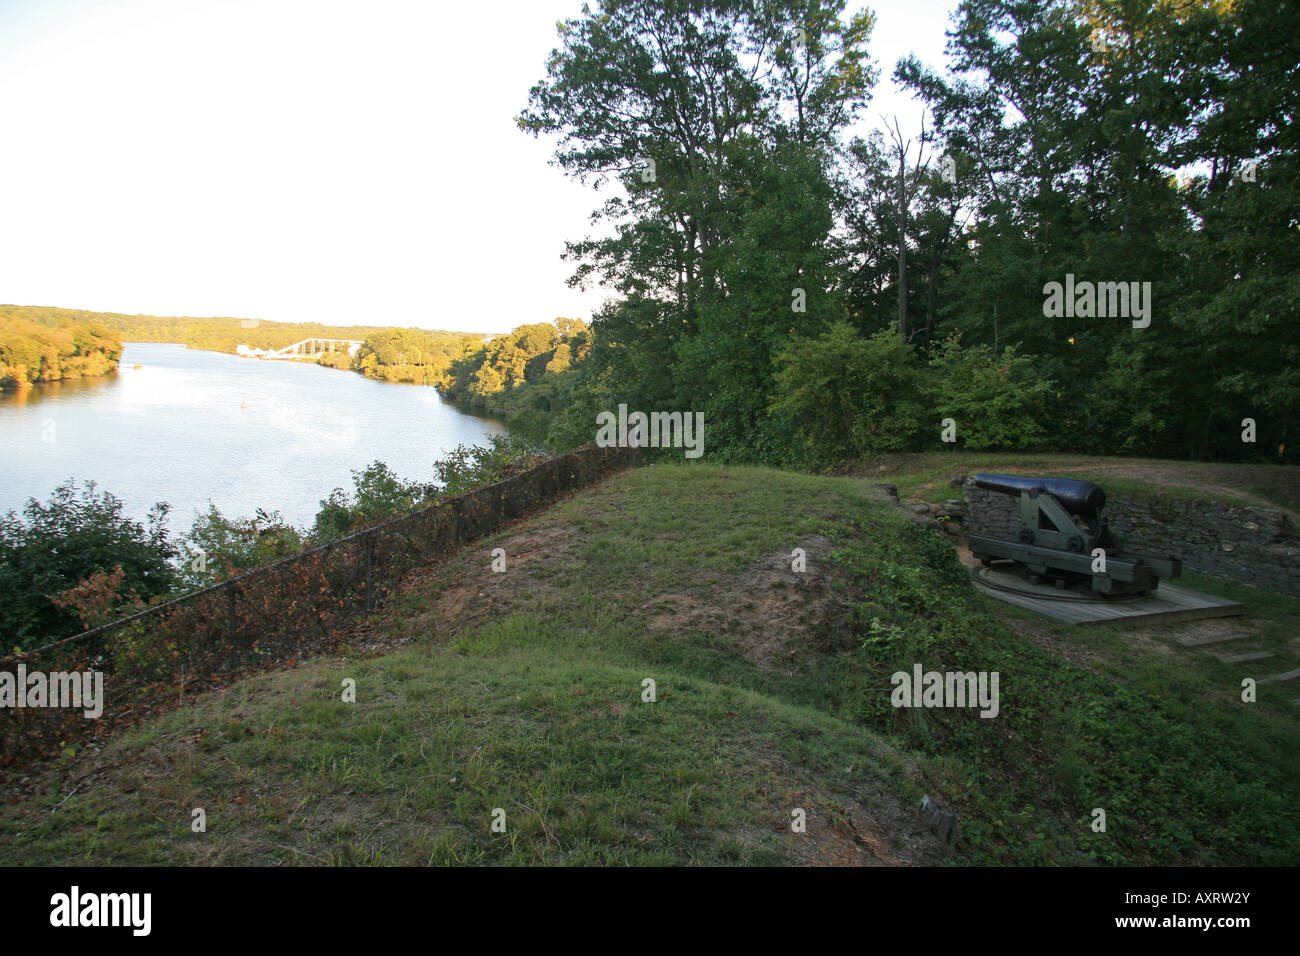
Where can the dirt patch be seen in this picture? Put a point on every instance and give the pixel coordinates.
(875, 830)
(1047, 636)
(521, 549)
(670, 612)
(872, 827)
(413, 608)
(1219, 634)
(776, 614)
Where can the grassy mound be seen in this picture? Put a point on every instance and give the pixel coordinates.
(520, 696)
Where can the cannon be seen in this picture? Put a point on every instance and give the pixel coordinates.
(1064, 538)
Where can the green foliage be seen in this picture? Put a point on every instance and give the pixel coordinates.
(581, 396)
(1134, 398)
(773, 267)
(60, 544)
(997, 401)
(378, 494)
(486, 383)
(712, 241)
(220, 334)
(520, 376)
(561, 359)
(1167, 157)
(1122, 164)
(530, 425)
(1066, 738)
(60, 348)
(467, 468)
(848, 396)
(417, 356)
(218, 547)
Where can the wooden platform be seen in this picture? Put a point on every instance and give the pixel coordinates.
(1169, 602)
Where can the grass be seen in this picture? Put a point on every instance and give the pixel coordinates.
(522, 693)
(413, 772)
(1160, 740)
(926, 475)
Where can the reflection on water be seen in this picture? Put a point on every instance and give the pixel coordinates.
(191, 426)
(49, 391)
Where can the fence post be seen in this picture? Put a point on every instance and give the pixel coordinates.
(369, 550)
(230, 610)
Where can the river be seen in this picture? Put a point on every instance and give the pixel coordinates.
(188, 427)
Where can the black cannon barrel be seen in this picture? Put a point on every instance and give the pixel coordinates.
(1076, 497)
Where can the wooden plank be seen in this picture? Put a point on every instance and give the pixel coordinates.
(1203, 639)
(1277, 678)
(1168, 603)
(1243, 658)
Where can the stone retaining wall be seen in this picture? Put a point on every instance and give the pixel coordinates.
(1258, 546)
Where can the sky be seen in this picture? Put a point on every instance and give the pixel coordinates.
(306, 160)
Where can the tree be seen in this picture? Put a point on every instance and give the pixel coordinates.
(996, 400)
(487, 382)
(218, 547)
(704, 111)
(906, 185)
(59, 545)
(846, 396)
(378, 494)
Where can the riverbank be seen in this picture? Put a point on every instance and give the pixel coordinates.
(32, 353)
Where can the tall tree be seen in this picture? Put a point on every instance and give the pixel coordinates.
(704, 111)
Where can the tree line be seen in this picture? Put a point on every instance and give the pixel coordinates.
(215, 333)
(32, 352)
(417, 356)
(821, 295)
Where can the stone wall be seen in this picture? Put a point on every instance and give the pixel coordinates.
(1259, 546)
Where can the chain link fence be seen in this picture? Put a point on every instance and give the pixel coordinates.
(271, 614)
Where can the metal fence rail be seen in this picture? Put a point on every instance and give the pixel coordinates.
(273, 613)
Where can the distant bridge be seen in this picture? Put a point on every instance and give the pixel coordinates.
(310, 348)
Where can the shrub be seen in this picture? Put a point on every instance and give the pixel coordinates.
(218, 547)
(997, 401)
(847, 396)
(468, 468)
(61, 545)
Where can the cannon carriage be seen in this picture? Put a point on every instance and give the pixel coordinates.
(1064, 538)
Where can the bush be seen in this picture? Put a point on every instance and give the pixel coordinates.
(218, 547)
(379, 495)
(998, 402)
(66, 543)
(846, 396)
(530, 425)
(468, 468)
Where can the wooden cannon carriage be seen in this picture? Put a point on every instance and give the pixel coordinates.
(1063, 538)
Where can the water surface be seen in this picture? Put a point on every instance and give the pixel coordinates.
(190, 426)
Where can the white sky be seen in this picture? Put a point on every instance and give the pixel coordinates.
(304, 160)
